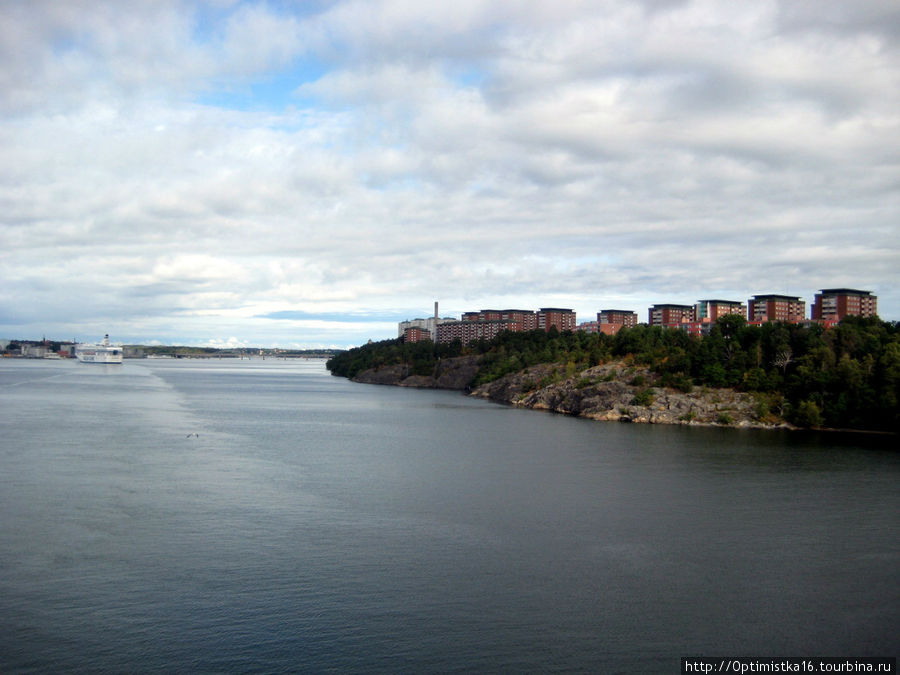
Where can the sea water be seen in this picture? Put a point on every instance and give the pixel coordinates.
(262, 516)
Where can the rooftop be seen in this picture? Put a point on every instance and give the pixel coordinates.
(844, 291)
(775, 296)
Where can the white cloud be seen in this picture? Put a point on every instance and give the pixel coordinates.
(183, 168)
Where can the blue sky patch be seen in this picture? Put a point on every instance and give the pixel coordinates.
(271, 93)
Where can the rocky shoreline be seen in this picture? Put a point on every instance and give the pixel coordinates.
(616, 391)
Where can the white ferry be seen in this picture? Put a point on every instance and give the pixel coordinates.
(103, 352)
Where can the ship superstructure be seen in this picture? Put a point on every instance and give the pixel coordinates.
(99, 352)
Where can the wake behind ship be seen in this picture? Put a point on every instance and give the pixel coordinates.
(102, 352)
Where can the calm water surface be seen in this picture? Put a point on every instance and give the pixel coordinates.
(263, 516)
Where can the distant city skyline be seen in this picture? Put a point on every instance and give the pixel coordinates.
(829, 306)
(307, 175)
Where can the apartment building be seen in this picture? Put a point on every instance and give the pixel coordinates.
(481, 315)
(670, 314)
(776, 308)
(416, 334)
(562, 319)
(617, 316)
(488, 323)
(424, 324)
(523, 319)
(609, 321)
(519, 319)
(710, 311)
(597, 327)
(469, 331)
(833, 304)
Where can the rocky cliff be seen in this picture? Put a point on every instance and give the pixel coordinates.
(623, 393)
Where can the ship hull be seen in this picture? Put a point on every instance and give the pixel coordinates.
(95, 356)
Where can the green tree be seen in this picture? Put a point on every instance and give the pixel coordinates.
(808, 414)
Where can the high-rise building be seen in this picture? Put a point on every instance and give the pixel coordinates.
(403, 326)
(518, 319)
(833, 304)
(467, 331)
(776, 308)
(522, 319)
(710, 311)
(617, 316)
(416, 334)
(563, 319)
(670, 314)
(488, 323)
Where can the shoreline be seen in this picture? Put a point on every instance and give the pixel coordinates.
(613, 392)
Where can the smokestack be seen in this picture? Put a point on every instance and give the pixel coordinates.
(435, 310)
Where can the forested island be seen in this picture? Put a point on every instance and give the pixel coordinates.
(774, 375)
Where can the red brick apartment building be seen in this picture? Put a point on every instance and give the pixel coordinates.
(670, 315)
(487, 323)
(468, 330)
(617, 316)
(562, 319)
(416, 334)
(524, 319)
(833, 304)
(695, 319)
(776, 308)
(710, 311)
(519, 319)
(610, 321)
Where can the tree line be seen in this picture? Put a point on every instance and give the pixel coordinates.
(847, 376)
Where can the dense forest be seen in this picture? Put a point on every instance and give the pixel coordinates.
(847, 376)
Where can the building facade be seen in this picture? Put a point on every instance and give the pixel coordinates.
(469, 331)
(486, 324)
(710, 311)
(597, 327)
(523, 319)
(424, 324)
(561, 319)
(416, 334)
(621, 317)
(519, 319)
(670, 314)
(776, 308)
(833, 304)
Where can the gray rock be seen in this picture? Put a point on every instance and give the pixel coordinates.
(609, 392)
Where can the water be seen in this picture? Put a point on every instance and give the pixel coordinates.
(263, 516)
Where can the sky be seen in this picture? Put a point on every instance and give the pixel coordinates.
(308, 174)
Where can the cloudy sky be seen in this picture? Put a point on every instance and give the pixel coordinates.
(304, 174)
